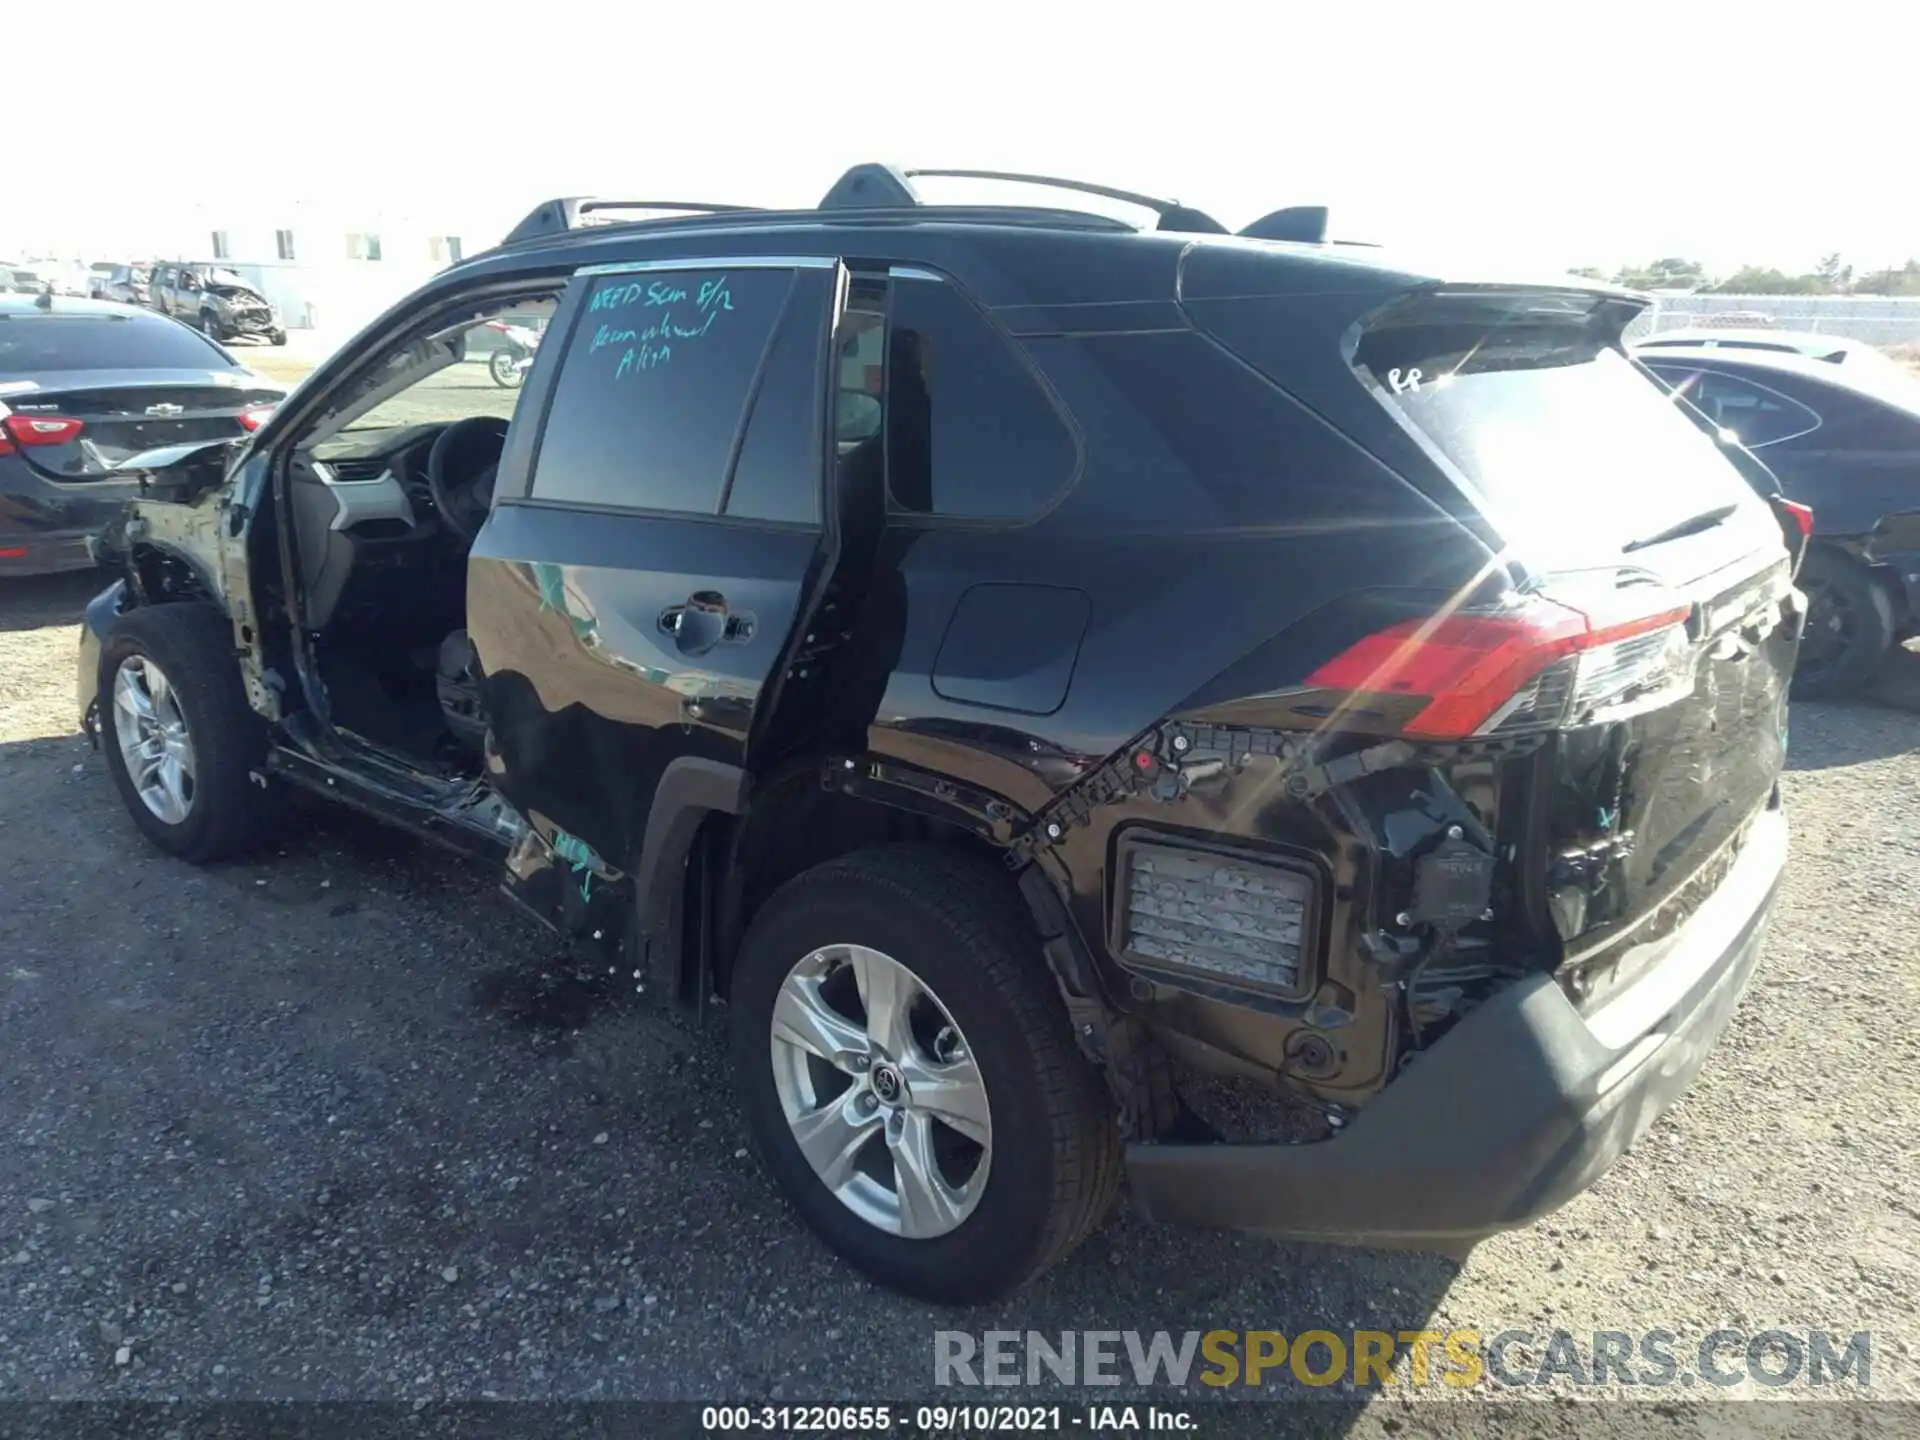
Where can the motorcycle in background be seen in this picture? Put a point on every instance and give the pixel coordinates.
(513, 352)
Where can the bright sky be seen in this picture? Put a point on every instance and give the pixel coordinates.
(1536, 134)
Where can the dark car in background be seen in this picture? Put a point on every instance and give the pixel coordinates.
(1843, 439)
(84, 385)
(1007, 654)
(1858, 356)
(216, 300)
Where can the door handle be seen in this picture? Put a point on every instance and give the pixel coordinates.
(704, 622)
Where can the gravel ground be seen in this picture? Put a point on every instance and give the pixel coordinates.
(337, 1123)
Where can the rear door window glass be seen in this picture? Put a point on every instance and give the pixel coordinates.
(654, 387)
(1757, 415)
(777, 475)
(971, 434)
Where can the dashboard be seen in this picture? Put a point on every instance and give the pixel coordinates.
(378, 480)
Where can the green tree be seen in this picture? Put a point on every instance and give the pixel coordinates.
(1904, 281)
(1588, 272)
(1753, 280)
(1671, 273)
(1837, 274)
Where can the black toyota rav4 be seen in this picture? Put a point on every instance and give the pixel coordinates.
(1055, 680)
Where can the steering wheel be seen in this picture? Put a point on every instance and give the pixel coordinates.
(470, 447)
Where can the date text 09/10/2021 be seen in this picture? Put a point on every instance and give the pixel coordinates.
(934, 1420)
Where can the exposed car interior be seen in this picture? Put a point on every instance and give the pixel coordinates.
(386, 492)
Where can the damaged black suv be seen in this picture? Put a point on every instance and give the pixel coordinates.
(1052, 678)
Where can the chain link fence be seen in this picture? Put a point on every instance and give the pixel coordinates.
(1876, 319)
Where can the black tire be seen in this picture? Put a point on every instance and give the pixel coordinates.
(958, 923)
(1849, 626)
(503, 365)
(230, 813)
(276, 337)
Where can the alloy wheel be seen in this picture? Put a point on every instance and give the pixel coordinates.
(151, 729)
(881, 1091)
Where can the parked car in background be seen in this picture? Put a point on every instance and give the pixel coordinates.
(1856, 355)
(70, 279)
(1006, 653)
(1843, 439)
(28, 279)
(84, 384)
(98, 274)
(218, 301)
(128, 284)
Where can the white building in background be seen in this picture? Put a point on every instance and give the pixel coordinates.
(327, 267)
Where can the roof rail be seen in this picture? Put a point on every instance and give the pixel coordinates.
(873, 186)
(556, 217)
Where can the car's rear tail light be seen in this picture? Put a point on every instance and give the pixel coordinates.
(1796, 527)
(1798, 515)
(1531, 666)
(254, 416)
(22, 430)
(1229, 918)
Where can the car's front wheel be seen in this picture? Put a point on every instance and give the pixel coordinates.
(181, 741)
(908, 1074)
(210, 324)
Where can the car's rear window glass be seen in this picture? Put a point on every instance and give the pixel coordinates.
(34, 344)
(654, 387)
(1572, 450)
(970, 432)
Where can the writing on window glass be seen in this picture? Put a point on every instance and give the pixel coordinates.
(655, 318)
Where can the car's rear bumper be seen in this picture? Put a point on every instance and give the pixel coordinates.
(44, 525)
(1512, 1113)
(45, 552)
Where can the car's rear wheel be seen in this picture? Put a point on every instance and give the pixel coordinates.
(182, 743)
(908, 1074)
(1849, 626)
